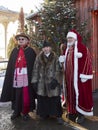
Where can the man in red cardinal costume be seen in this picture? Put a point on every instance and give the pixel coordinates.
(17, 86)
(78, 75)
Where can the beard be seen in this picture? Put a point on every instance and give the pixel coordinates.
(69, 44)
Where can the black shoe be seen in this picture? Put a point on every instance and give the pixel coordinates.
(80, 119)
(14, 116)
(60, 121)
(26, 117)
(71, 117)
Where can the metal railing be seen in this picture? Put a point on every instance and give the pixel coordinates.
(3, 66)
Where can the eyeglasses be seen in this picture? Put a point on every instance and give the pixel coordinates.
(21, 39)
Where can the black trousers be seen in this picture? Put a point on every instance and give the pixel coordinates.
(49, 106)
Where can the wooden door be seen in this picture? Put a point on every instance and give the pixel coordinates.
(95, 48)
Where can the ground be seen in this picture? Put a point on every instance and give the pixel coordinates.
(90, 123)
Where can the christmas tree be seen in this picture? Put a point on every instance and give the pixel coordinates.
(57, 18)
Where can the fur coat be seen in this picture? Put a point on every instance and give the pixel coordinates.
(46, 69)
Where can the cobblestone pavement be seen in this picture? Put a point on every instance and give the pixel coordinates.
(91, 123)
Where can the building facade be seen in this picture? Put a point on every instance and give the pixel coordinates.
(88, 10)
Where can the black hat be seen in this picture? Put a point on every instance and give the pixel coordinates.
(22, 35)
(46, 44)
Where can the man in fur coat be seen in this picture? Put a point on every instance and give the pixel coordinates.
(45, 79)
(78, 75)
(17, 83)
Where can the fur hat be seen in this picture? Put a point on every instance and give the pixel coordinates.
(22, 35)
(46, 44)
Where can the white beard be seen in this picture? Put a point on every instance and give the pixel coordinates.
(70, 44)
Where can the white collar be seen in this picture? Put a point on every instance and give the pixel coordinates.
(47, 55)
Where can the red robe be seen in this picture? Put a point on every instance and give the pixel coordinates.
(22, 80)
(78, 66)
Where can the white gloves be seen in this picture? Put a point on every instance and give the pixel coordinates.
(62, 58)
(79, 55)
(83, 80)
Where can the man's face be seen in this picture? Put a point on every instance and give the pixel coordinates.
(22, 41)
(70, 41)
(46, 50)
